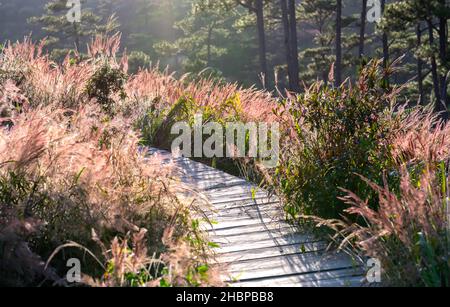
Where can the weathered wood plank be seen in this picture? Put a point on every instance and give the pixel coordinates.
(207, 185)
(291, 239)
(241, 223)
(256, 215)
(206, 177)
(287, 265)
(338, 278)
(257, 228)
(272, 251)
(222, 216)
(253, 211)
(248, 204)
(232, 200)
(243, 238)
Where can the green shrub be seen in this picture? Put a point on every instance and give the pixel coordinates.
(106, 82)
(337, 133)
(156, 125)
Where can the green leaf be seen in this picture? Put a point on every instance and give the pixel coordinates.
(213, 245)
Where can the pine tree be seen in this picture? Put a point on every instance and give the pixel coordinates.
(204, 28)
(319, 18)
(289, 22)
(256, 7)
(362, 32)
(338, 64)
(292, 9)
(63, 32)
(107, 12)
(385, 42)
(427, 21)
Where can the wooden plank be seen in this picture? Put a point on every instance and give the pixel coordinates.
(224, 197)
(337, 278)
(243, 238)
(291, 239)
(287, 265)
(207, 176)
(210, 178)
(236, 200)
(230, 189)
(241, 223)
(272, 213)
(189, 165)
(237, 189)
(249, 203)
(272, 227)
(272, 251)
(250, 210)
(207, 185)
(353, 282)
(236, 214)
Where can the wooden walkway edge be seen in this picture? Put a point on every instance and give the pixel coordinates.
(257, 247)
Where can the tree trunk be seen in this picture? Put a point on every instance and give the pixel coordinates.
(420, 66)
(362, 33)
(443, 36)
(76, 36)
(338, 65)
(259, 9)
(295, 83)
(385, 43)
(287, 37)
(439, 107)
(209, 42)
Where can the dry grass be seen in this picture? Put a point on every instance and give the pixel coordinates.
(151, 88)
(408, 231)
(68, 169)
(374, 172)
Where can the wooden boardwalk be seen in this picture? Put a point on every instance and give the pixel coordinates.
(257, 247)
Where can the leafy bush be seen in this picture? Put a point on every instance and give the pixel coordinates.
(186, 109)
(374, 172)
(106, 82)
(333, 134)
(408, 230)
(156, 130)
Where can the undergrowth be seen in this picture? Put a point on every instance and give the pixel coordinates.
(73, 180)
